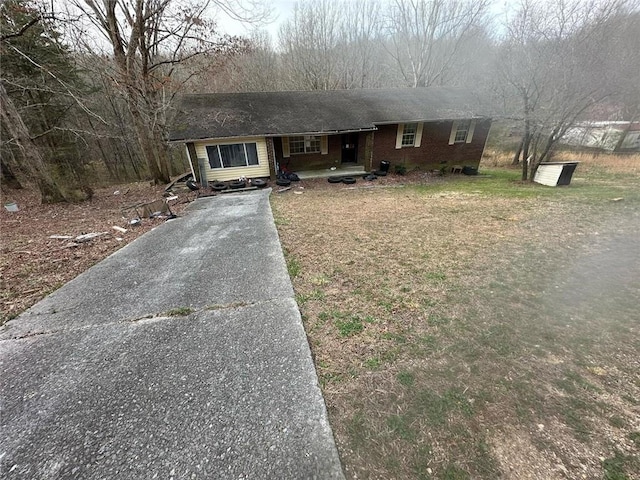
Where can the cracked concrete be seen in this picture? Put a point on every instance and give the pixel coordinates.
(98, 381)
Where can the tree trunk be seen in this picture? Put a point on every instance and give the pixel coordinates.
(9, 179)
(33, 163)
(148, 148)
(516, 157)
(149, 140)
(526, 141)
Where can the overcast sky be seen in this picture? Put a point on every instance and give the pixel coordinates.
(283, 10)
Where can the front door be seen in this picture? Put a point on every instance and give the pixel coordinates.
(350, 148)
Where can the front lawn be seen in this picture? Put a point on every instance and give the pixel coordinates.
(474, 327)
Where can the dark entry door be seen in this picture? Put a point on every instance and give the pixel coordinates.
(350, 148)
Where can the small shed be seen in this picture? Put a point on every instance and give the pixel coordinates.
(555, 173)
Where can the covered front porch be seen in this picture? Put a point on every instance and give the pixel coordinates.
(322, 156)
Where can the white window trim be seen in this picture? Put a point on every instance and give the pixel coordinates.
(417, 140)
(246, 156)
(454, 130)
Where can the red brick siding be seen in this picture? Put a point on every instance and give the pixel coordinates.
(434, 151)
(271, 157)
(317, 161)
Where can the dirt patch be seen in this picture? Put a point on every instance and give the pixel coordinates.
(33, 264)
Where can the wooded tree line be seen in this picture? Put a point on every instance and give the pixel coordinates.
(92, 88)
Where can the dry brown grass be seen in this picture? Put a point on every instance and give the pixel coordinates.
(604, 162)
(32, 264)
(438, 357)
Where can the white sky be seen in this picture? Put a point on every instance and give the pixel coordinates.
(283, 10)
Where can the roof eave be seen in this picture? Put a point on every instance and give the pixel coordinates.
(274, 135)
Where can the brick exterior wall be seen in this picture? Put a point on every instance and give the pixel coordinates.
(317, 161)
(434, 151)
(271, 155)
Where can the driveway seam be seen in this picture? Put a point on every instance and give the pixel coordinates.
(150, 316)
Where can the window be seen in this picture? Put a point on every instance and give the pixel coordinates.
(462, 131)
(409, 134)
(304, 144)
(232, 155)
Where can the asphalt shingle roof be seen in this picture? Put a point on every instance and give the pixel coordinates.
(221, 115)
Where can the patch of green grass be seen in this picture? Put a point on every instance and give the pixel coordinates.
(372, 363)
(396, 337)
(400, 426)
(573, 381)
(349, 326)
(574, 414)
(428, 302)
(454, 472)
(302, 298)
(331, 377)
(293, 267)
(614, 467)
(500, 338)
(180, 312)
(428, 341)
(436, 408)
(635, 438)
(617, 421)
(406, 378)
(357, 430)
(435, 320)
(437, 276)
(421, 461)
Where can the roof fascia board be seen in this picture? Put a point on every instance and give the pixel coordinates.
(432, 120)
(323, 132)
(272, 135)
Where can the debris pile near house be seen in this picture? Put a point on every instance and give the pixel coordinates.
(187, 182)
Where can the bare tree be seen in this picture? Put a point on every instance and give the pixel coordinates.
(258, 68)
(427, 37)
(308, 44)
(333, 44)
(552, 64)
(360, 50)
(150, 40)
(38, 90)
(34, 165)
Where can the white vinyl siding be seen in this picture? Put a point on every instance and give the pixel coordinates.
(233, 145)
(409, 135)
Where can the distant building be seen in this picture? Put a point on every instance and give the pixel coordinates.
(618, 136)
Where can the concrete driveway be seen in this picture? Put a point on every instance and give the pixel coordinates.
(99, 381)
